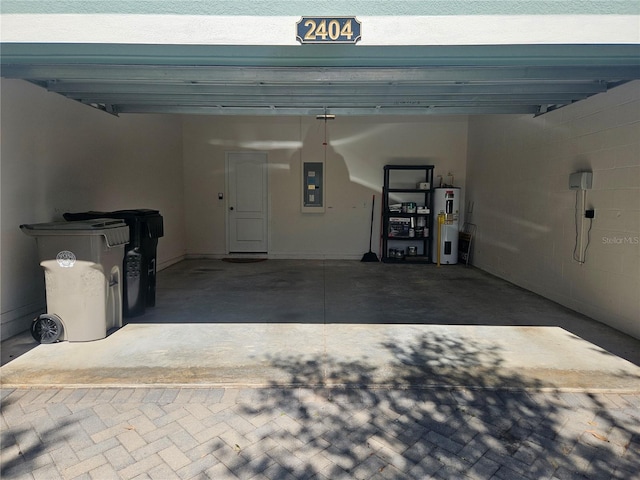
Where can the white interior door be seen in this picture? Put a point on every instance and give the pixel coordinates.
(247, 202)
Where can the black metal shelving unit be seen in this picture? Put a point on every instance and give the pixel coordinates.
(400, 186)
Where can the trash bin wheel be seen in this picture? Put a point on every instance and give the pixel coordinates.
(47, 328)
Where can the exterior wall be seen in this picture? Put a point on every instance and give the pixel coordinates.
(324, 7)
(518, 170)
(60, 156)
(357, 150)
(258, 22)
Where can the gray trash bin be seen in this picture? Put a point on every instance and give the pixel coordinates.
(82, 264)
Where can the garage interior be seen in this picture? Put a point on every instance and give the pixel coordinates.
(108, 127)
(148, 126)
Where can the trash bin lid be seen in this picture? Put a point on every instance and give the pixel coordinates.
(114, 230)
(147, 223)
(144, 222)
(96, 224)
(139, 212)
(131, 214)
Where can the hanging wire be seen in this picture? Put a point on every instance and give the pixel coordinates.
(325, 137)
(325, 132)
(584, 259)
(575, 218)
(582, 255)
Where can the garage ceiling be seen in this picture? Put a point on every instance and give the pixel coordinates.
(318, 79)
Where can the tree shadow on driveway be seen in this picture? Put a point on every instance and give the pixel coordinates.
(447, 414)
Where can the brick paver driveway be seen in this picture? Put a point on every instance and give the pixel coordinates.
(318, 433)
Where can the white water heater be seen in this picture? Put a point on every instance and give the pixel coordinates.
(446, 202)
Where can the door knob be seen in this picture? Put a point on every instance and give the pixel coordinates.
(230, 208)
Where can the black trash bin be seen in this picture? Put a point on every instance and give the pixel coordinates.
(139, 265)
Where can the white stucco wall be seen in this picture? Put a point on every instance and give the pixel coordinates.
(59, 156)
(281, 30)
(518, 171)
(272, 22)
(357, 150)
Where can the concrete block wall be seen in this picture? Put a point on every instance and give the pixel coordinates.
(58, 156)
(357, 150)
(518, 171)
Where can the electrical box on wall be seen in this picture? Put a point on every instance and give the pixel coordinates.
(580, 180)
(313, 187)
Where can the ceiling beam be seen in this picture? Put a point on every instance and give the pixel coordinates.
(321, 100)
(302, 75)
(296, 111)
(321, 56)
(125, 86)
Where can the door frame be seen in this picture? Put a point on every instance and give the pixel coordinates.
(267, 207)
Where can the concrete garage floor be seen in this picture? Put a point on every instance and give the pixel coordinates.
(336, 323)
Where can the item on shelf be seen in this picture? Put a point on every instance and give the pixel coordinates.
(412, 251)
(395, 208)
(399, 226)
(423, 186)
(423, 210)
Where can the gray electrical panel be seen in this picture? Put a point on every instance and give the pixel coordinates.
(313, 186)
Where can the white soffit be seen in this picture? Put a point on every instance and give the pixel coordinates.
(281, 30)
